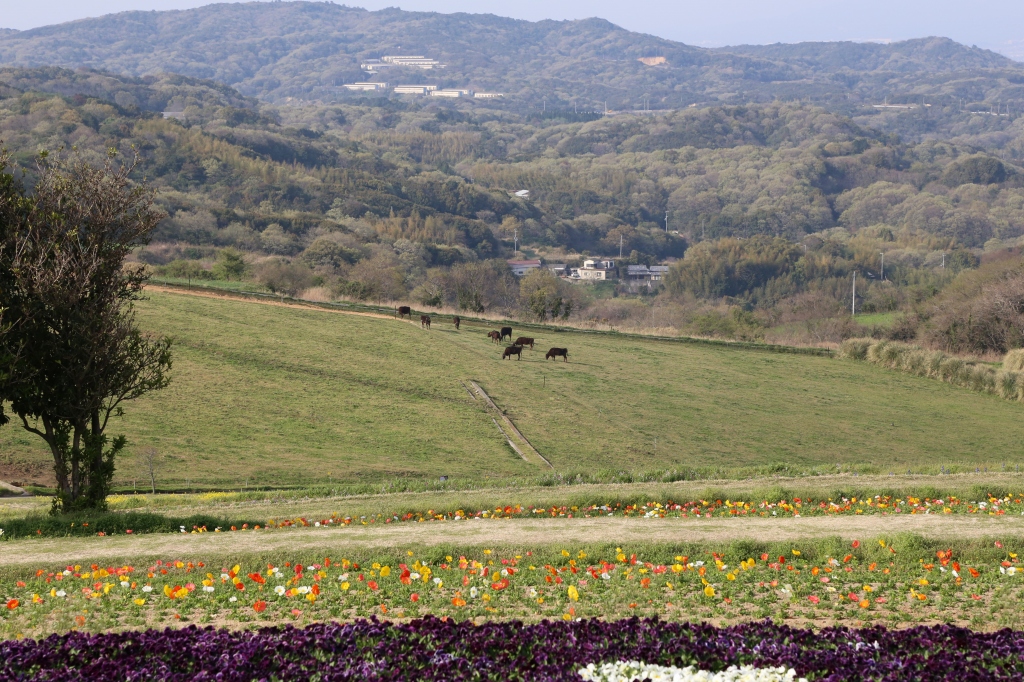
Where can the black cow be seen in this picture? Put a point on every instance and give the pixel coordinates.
(506, 331)
(524, 341)
(512, 350)
(457, 321)
(425, 321)
(558, 352)
(404, 310)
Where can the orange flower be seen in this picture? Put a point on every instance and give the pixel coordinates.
(257, 578)
(974, 573)
(260, 606)
(12, 604)
(414, 597)
(372, 585)
(458, 601)
(856, 544)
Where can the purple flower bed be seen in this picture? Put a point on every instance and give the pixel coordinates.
(432, 649)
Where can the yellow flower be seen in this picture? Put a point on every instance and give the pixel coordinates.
(669, 586)
(385, 571)
(730, 576)
(881, 543)
(796, 552)
(345, 586)
(310, 597)
(566, 616)
(922, 581)
(574, 593)
(140, 602)
(709, 591)
(868, 588)
(565, 552)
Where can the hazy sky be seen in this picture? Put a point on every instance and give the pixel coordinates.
(995, 24)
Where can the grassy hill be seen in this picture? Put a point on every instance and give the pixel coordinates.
(302, 49)
(282, 396)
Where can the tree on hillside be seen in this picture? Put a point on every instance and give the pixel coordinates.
(69, 303)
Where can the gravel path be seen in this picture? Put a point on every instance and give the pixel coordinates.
(526, 533)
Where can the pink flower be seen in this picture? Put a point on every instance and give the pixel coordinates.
(814, 599)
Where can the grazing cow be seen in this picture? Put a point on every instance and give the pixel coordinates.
(506, 331)
(457, 321)
(494, 336)
(558, 352)
(512, 350)
(404, 310)
(524, 341)
(425, 321)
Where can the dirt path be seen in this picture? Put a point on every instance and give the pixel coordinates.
(259, 301)
(493, 533)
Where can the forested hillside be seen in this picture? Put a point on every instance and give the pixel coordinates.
(771, 207)
(303, 50)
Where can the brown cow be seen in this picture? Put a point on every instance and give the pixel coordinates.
(494, 336)
(404, 310)
(512, 350)
(425, 321)
(457, 321)
(506, 331)
(558, 352)
(524, 341)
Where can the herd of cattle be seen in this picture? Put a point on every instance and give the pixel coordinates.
(497, 336)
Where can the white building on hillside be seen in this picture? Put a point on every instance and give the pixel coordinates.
(596, 270)
(371, 87)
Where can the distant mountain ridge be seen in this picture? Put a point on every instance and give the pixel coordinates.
(305, 50)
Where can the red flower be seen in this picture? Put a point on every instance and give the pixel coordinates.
(372, 585)
(856, 544)
(257, 578)
(414, 597)
(259, 607)
(12, 604)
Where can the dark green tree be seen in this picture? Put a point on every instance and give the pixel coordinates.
(69, 309)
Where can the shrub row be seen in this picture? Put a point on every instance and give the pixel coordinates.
(114, 524)
(1006, 382)
(434, 649)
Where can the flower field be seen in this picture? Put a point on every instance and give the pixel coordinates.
(872, 582)
(436, 649)
(134, 523)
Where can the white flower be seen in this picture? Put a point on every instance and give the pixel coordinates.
(147, 588)
(343, 577)
(414, 576)
(531, 593)
(629, 671)
(303, 589)
(233, 599)
(61, 593)
(207, 588)
(225, 576)
(1, 531)
(438, 582)
(605, 576)
(67, 572)
(473, 592)
(125, 583)
(279, 590)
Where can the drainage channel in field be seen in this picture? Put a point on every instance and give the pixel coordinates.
(524, 447)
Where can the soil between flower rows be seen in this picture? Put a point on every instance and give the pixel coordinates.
(509, 532)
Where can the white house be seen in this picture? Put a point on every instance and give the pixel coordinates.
(597, 270)
(372, 87)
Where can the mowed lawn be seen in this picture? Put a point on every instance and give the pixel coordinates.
(285, 396)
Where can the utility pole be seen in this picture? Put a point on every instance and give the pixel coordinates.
(515, 242)
(620, 246)
(853, 305)
(702, 230)
(883, 265)
(666, 221)
(943, 261)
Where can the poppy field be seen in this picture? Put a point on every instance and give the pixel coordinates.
(897, 582)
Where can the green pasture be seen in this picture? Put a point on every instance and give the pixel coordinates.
(268, 396)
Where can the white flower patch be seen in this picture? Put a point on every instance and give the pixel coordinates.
(630, 671)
